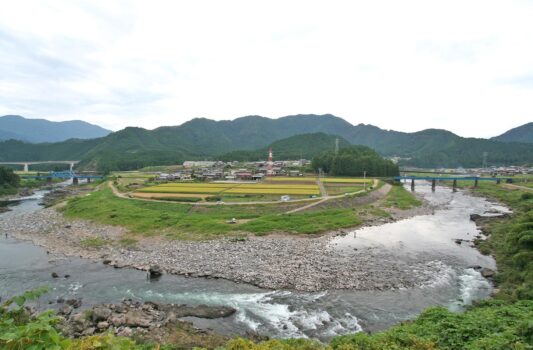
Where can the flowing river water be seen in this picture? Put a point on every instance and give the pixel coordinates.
(281, 313)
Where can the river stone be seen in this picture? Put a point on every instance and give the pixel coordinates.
(487, 273)
(126, 332)
(75, 303)
(55, 275)
(88, 332)
(65, 310)
(102, 325)
(155, 271)
(100, 313)
(117, 320)
(136, 318)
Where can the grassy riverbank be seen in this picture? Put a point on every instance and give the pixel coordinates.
(400, 198)
(186, 221)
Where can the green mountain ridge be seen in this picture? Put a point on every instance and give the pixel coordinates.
(523, 133)
(42, 130)
(202, 138)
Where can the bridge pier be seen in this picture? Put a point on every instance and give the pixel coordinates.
(412, 184)
(433, 183)
(454, 185)
(26, 167)
(75, 181)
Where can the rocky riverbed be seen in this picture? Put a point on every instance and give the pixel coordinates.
(274, 261)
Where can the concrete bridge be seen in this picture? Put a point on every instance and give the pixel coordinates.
(65, 175)
(434, 180)
(26, 165)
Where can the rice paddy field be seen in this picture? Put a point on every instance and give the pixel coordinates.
(270, 189)
(228, 189)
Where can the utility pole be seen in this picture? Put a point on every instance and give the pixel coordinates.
(364, 177)
(336, 146)
(484, 166)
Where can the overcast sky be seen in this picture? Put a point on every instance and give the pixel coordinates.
(465, 66)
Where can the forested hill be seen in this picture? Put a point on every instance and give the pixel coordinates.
(41, 130)
(523, 133)
(204, 139)
(305, 146)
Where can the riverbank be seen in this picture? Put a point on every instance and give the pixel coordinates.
(399, 237)
(275, 261)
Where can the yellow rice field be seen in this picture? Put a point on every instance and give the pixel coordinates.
(290, 178)
(234, 188)
(344, 180)
(191, 189)
(273, 191)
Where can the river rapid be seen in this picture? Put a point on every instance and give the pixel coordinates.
(280, 313)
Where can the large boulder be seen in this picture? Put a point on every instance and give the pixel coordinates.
(137, 318)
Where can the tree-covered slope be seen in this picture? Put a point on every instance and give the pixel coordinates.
(523, 133)
(354, 161)
(305, 146)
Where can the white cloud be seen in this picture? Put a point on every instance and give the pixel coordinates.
(409, 65)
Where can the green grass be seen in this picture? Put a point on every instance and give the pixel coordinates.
(400, 198)
(311, 222)
(128, 242)
(95, 242)
(185, 221)
(5, 191)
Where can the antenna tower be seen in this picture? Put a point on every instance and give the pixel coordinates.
(270, 163)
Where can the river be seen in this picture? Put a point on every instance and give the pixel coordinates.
(281, 313)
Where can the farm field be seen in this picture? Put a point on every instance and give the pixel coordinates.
(345, 180)
(265, 191)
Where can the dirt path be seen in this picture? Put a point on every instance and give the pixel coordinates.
(517, 187)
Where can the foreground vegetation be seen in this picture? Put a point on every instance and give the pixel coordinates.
(496, 325)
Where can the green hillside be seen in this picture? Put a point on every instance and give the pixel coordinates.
(133, 148)
(305, 146)
(523, 133)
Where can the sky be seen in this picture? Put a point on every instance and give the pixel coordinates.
(464, 66)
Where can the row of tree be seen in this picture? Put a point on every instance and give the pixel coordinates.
(354, 161)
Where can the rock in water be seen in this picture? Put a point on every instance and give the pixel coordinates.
(155, 271)
(487, 273)
(55, 275)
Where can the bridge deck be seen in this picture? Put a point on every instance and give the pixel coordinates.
(451, 178)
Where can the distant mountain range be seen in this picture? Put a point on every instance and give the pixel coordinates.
(522, 133)
(133, 148)
(41, 130)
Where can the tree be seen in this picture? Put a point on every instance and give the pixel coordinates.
(354, 161)
(8, 178)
